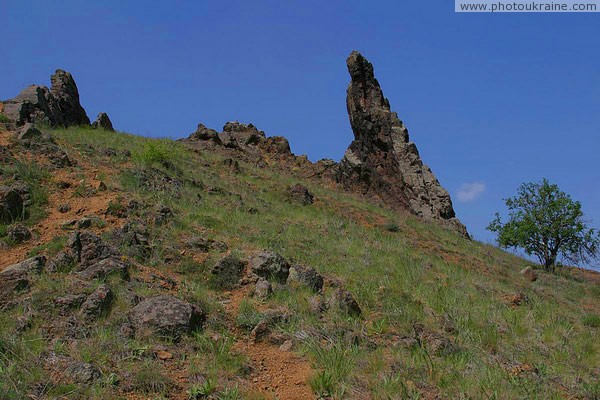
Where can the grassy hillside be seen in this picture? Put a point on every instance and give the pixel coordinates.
(442, 317)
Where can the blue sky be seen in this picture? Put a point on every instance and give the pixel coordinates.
(491, 100)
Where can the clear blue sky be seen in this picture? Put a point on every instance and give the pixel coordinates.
(493, 99)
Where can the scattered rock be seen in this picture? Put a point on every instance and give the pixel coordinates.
(82, 373)
(64, 208)
(16, 278)
(438, 344)
(70, 301)
(205, 245)
(24, 322)
(164, 355)
(63, 184)
(259, 331)
(232, 165)
(228, 272)
(11, 204)
(276, 315)
(304, 276)
(344, 301)
(263, 289)
(529, 274)
(407, 342)
(18, 233)
(166, 316)
(270, 265)
(63, 261)
(103, 122)
(28, 132)
(316, 304)
(104, 268)
(301, 195)
(287, 345)
(135, 237)
(518, 299)
(382, 162)
(84, 223)
(162, 215)
(33, 265)
(98, 303)
(88, 249)
(102, 187)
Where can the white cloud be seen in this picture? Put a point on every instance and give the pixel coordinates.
(470, 191)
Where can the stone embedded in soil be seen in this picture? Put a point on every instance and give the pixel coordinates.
(345, 302)
(166, 317)
(305, 276)
(263, 289)
(82, 373)
(97, 303)
(228, 272)
(104, 268)
(529, 274)
(11, 204)
(301, 195)
(17, 277)
(18, 233)
(270, 265)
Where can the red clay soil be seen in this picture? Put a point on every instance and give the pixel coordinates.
(277, 374)
(51, 226)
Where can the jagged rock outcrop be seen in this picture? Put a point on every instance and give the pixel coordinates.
(66, 96)
(248, 143)
(57, 106)
(103, 122)
(382, 161)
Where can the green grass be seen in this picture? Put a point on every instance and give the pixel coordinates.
(35, 178)
(4, 118)
(402, 271)
(592, 320)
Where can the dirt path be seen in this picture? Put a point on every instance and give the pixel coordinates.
(277, 374)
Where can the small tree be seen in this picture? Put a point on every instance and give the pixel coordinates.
(546, 222)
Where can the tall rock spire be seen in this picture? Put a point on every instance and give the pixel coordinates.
(382, 161)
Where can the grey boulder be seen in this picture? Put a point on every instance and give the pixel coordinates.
(166, 316)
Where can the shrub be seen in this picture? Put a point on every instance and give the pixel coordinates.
(4, 118)
(391, 227)
(155, 151)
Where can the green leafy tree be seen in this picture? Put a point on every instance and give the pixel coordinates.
(547, 223)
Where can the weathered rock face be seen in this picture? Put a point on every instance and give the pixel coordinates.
(17, 277)
(66, 96)
(166, 316)
(382, 161)
(270, 265)
(34, 104)
(103, 122)
(57, 106)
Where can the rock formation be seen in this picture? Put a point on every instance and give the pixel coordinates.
(57, 106)
(382, 161)
(103, 122)
(66, 96)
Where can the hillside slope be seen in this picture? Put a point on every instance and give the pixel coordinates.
(395, 307)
